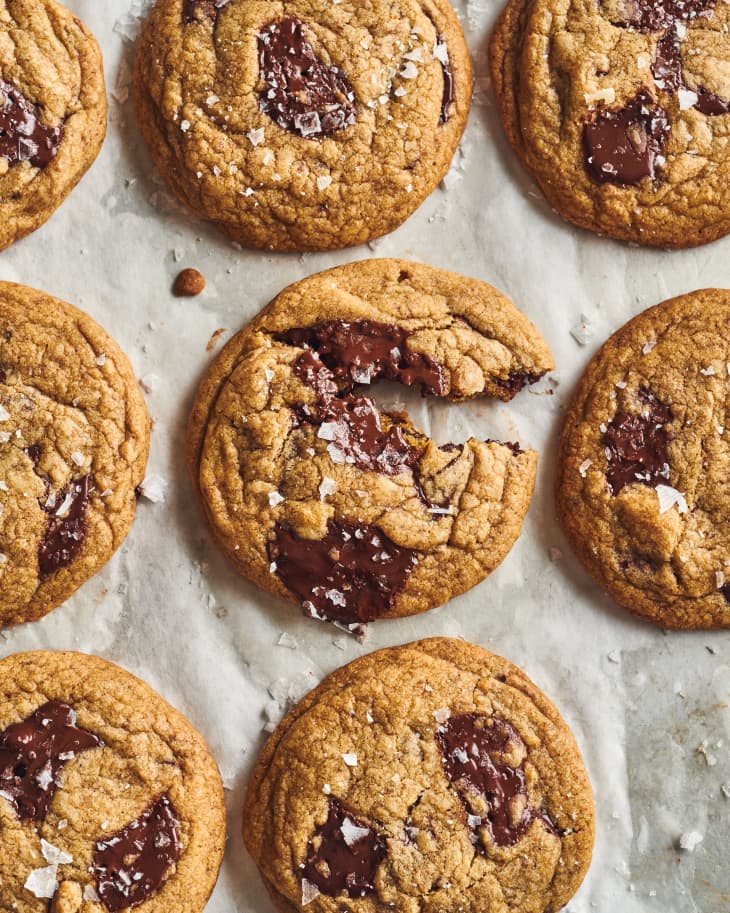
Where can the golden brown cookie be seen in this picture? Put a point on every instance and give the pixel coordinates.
(299, 125)
(320, 498)
(620, 110)
(109, 799)
(433, 776)
(643, 478)
(52, 111)
(74, 438)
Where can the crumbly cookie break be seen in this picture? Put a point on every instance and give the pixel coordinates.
(74, 438)
(300, 125)
(109, 799)
(52, 111)
(321, 498)
(429, 777)
(642, 486)
(620, 109)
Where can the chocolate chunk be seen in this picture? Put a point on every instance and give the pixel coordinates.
(209, 9)
(449, 96)
(344, 854)
(621, 145)
(655, 15)
(130, 866)
(66, 528)
(475, 751)
(725, 590)
(516, 381)
(352, 424)
(351, 576)
(667, 65)
(23, 135)
(710, 104)
(33, 754)
(35, 452)
(301, 94)
(637, 445)
(365, 350)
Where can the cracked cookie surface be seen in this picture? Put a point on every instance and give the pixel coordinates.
(52, 111)
(320, 498)
(109, 799)
(298, 125)
(621, 112)
(642, 488)
(74, 438)
(428, 777)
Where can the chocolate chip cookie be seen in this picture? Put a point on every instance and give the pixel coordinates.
(52, 111)
(109, 799)
(300, 125)
(319, 497)
(643, 487)
(433, 776)
(620, 109)
(74, 438)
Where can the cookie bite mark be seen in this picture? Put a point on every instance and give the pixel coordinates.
(208, 9)
(301, 93)
(131, 865)
(517, 381)
(66, 530)
(364, 350)
(624, 145)
(484, 758)
(637, 445)
(34, 752)
(343, 856)
(350, 577)
(23, 135)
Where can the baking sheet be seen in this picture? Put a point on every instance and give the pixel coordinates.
(650, 710)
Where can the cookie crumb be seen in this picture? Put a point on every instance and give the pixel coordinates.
(189, 283)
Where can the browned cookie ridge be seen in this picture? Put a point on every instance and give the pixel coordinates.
(74, 438)
(431, 776)
(303, 126)
(620, 109)
(321, 498)
(52, 111)
(109, 799)
(642, 484)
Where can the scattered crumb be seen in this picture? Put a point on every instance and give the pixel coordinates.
(188, 284)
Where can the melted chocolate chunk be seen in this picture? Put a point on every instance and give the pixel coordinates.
(209, 9)
(352, 424)
(35, 452)
(66, 528)
(362, 351)
(23, 135)
(449, 96)
(33, 754)
(516, 381)
(344, 854)
(302, 94)
(725, 590)
(637, 445)
(351, 576)
(655, 15)
(493, 792)
(710, 104)
(667, 65)
(621, 145)
(130, 866)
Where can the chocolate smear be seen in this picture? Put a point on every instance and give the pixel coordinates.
(130, 865)
(476, 752)
(621, 146)
(23, 135)
(66, 528)
(344, 854)
(34, 752)
(637, 445)
(667, 65)
(441, 52)
(302, 94)
(352, 576)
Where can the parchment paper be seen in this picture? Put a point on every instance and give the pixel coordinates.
(650, 710)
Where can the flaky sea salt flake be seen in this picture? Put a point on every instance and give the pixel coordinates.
(690, 840)
(668, 497)
(310, 892)
(53, 855)
(43, 882)
(350, 758)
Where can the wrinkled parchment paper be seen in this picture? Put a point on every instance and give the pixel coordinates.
(650, 711)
